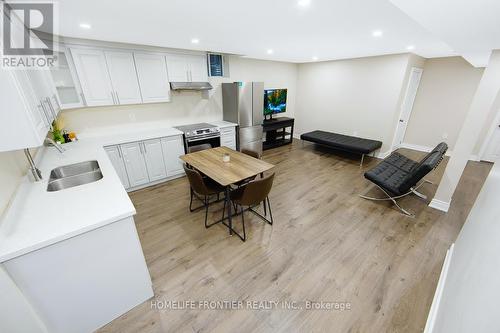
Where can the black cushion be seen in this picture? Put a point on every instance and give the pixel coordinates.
(401, 162)
(342, 142)
(387, 176)
(397, 174)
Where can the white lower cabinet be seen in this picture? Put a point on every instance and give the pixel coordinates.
(140, 163)
(135, 164)
(228, 137)
(173, 147)
(154, 159)
(116, 157)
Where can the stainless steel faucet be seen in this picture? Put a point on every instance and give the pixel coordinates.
(37, 175)
(50, 141)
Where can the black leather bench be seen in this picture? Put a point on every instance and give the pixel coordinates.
(342, 142)
(398, 176)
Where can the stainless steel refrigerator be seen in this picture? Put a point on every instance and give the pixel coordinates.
(243, 104)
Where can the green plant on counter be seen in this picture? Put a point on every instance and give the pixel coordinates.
(56, 133)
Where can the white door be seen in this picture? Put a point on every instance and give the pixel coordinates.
(178, 68)
(492, 149)
(198, 69)
(135, 164)
(173, 147)
(407, 105)
(154, 159)
(94, 77)
(115, 155)
(123, 76)
(153, 77)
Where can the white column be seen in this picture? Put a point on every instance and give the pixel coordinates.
(481, 105)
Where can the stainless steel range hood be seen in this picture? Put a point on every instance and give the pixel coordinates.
(190, 85)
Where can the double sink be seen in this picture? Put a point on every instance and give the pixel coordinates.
(74, 175)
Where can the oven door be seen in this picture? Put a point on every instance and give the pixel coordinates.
(212, 140)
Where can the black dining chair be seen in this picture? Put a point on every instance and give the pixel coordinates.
(251, 195)
(202, 189)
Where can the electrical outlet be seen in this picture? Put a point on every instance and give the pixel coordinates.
(445, 136)
(131, 116)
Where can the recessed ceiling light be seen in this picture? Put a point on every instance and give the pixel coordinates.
(410, 47)
(377, 33)
(270, 51)
(195, 40)
(315, 58)
(85, 26)
(304, 3)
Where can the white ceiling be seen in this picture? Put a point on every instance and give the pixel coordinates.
(327, 29)
(470, 27)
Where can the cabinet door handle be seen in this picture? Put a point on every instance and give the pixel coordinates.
(45, 114)
(51, 107)
(113, 97)
(144, 145)
(119, 152)
(44, 117)
(117, 98)
(140, 148)
(84, 101)
(57, 102)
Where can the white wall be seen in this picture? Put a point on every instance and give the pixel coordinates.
(13, 165)
(444, 96)
(482, 105)
(469, 300)
(355, 97)
(190, 107)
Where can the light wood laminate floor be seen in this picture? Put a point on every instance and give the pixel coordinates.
(327, 244)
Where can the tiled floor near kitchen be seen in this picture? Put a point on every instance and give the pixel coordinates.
(327, 244)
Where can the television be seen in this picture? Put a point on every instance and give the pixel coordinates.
(274, 101)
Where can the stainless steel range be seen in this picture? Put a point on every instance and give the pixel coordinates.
(200, 134)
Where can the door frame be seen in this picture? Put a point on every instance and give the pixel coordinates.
(489, 136)
(418, 69)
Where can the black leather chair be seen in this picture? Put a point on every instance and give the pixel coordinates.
(398, 176)
(202, 187)
(251, 195)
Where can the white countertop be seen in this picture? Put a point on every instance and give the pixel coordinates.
(37, 218)
(222, 123)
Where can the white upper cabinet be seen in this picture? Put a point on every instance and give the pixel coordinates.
(154, 159)
(24, 103)
(94, 77)
(187, 68)
(121, 68)
(178, 68)
(66, 82)
(153, 77)
(198, 68)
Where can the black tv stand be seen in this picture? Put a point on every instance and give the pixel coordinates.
(277, 132)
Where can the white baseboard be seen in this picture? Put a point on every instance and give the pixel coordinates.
(431, 318)
(426, 149)
(475, 158)
(383, 155)
(440, 205)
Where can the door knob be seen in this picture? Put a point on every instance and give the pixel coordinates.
(401, 120)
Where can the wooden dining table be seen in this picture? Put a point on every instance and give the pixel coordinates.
(239, 167)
